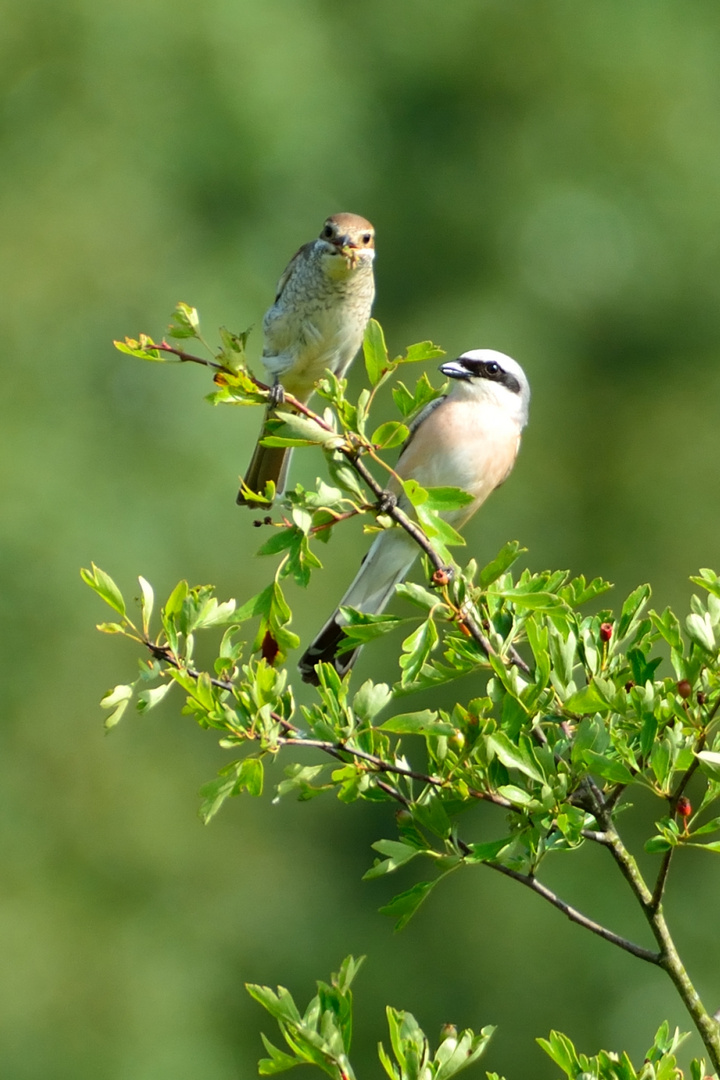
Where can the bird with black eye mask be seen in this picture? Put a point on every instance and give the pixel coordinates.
(468, 439)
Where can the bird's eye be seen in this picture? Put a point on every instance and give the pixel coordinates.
(328, 232)
(491, 368)
(366, 238)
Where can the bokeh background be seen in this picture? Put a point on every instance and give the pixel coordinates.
(544, 180)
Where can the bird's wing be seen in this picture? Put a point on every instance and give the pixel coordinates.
(287, 272)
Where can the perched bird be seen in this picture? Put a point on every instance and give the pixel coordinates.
(467, 439)
(317, 322)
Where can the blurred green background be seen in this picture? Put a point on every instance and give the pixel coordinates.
(544, 179)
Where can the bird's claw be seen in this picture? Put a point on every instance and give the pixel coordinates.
(386, 502)
(277, 394)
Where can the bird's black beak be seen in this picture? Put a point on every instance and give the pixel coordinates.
(455, 369)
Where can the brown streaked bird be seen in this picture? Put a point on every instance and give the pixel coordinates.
(468, 439)
(322, 307)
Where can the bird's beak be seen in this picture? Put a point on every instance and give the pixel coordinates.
(455, 370)
(347, 247)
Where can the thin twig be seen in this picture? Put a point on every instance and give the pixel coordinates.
(577, 916)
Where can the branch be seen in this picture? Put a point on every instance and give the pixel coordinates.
(353, 458)
(418, 535)
(669, 959)
(335, 750)
(673, 800)
(577, 916)
(378, 764)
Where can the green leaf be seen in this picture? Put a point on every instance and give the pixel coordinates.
(607, 768)
(118, 700)
(587, 700)
(515, 757)
(416, 649)
(709, 763)
(371, 699)
(147, 600)
(420, 353)
(417, 723)
(488, 852)
(700, 629)
(144, 349)
(388, 435)
(185, 322)
(278, 1061)
(397, 854)
(259, 604)
(631, 610)
(301, 431)
(412, 402)
(105, 587)
(445, 499)
(148, 699)
(375, 352)
(418, 595)
(502, 562)
(404, 905)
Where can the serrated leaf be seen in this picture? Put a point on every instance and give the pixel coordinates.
(405, 904)
(514, 757)
(420, 353)
(396, 853)
(502, 562)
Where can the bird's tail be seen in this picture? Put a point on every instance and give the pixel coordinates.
(267, 463)
(387, 563)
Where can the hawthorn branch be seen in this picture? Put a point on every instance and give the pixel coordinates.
(352, 456)
(669, 959)
(577, 916)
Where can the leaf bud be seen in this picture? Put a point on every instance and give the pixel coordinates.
(403, 817)
(605, 631)
(684, 688)
(448, 1031)
(683, 807)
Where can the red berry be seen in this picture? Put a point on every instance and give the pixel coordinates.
(605, 631)
(442, 576)
(684, 807)
(684, 688)
(701, 697)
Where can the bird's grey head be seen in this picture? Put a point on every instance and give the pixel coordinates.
(348, 235)
(496, 375)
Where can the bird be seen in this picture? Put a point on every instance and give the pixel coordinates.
(317, 322)
(469, 439)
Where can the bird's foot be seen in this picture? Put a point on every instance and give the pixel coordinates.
(277, 394)
(386, 502)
